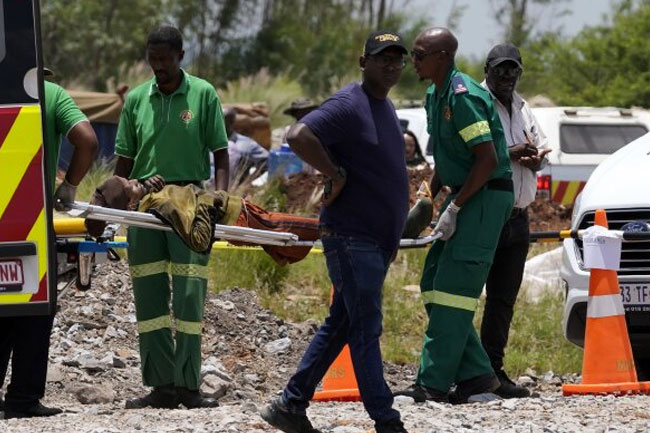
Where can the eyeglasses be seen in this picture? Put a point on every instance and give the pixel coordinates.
(385, 61)
(420, 55)
(506, 71)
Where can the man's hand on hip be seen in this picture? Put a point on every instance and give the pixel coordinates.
(334, 186)
(447, 221)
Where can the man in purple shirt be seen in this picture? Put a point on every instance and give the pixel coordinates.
(354, 139)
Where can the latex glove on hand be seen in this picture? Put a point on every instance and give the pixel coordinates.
(447, 221)
(64, 196)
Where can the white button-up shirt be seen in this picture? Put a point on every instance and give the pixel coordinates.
(519, 128)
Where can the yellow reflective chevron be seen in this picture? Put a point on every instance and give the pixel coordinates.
(148, 269)
(449, 300)
(189, 270)
(155, 324)
(475, 130)
(188, 327)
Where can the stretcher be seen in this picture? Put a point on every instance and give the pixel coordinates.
(82, 254)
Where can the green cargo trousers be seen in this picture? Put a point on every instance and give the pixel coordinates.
(452, 280)
(154, 256)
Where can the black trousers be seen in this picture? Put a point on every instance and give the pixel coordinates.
(27, 340)
(502, 287)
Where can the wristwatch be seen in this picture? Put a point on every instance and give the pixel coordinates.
(340, 171)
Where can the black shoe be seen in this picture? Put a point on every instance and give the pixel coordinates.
(476, 389)
(161, 397)
(279, 417)
(192, 399)
(395, 425)
(421, 393)
(33, 411)
(508, 388)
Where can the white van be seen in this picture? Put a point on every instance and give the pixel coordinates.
(581, 138)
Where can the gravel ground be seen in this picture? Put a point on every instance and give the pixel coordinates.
(248, 356)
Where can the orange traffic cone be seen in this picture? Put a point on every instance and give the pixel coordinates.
(607, 364)
(339, 383)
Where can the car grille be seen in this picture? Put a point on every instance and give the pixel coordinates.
(635, 255)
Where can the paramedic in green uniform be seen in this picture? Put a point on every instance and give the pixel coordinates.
(27, 338)
(169, 126)
(471, 157)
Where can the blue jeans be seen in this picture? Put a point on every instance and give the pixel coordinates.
(357, 269)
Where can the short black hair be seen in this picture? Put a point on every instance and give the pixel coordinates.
(166, 35)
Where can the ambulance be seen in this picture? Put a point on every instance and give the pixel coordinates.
(27, 241)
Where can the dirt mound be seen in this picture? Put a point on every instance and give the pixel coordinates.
(544, 215)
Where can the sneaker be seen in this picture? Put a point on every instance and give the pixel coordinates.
(394, 425)
(37, 410)
(421, 393)
(476, 389)
(193, 399)
(508, 388)
(161, 397)
(279, 417)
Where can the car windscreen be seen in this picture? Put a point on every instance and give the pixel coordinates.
(3, 49)
(599, 139)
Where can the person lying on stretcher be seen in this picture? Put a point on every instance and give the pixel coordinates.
(192, 213)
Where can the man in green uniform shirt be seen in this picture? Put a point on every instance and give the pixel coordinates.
(27, 338)
(471, 157)
(169, 127)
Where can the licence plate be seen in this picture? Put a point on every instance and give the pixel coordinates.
(636, 296)
(12, 277)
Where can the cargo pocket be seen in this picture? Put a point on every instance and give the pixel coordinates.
(472, 264)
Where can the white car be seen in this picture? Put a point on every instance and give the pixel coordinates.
(620, 185)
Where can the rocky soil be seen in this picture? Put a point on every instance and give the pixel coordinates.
(248, 356)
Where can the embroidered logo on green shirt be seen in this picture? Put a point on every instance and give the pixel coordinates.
(187, 116)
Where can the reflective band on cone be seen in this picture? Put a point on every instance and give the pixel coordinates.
(605, 306)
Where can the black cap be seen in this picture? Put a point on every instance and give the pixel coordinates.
(382, 39)
(503, 52)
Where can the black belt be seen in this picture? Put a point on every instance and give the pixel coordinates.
(494, 184)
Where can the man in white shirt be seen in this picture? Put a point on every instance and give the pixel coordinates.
(527, 148)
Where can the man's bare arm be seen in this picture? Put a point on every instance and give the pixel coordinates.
(484, 164)
(221, 169)
(123, 166)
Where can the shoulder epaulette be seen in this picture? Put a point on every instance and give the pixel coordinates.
(458, 85)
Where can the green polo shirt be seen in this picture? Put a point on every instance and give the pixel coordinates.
(61, 115)
(171, 135)
(461, 116)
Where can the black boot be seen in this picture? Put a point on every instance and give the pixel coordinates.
(161, 397)
(192, 399)
(395, 425)
(476, 389)
(279, 417)
(36, 410)
(421, 393)
(508, 388)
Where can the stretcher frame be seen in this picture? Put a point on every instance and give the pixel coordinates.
(229, 233)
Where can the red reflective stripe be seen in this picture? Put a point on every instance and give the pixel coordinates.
(41, 295)
(7, 118)
(560, 191)
(25, 205)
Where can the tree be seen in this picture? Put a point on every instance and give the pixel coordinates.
(516, 18)
(603, 65)
(87, 42)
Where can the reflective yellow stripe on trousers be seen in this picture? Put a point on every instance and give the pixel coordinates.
(148, 269)
(449, 300)
(188, 327)
(160, 322)
(189, 270)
